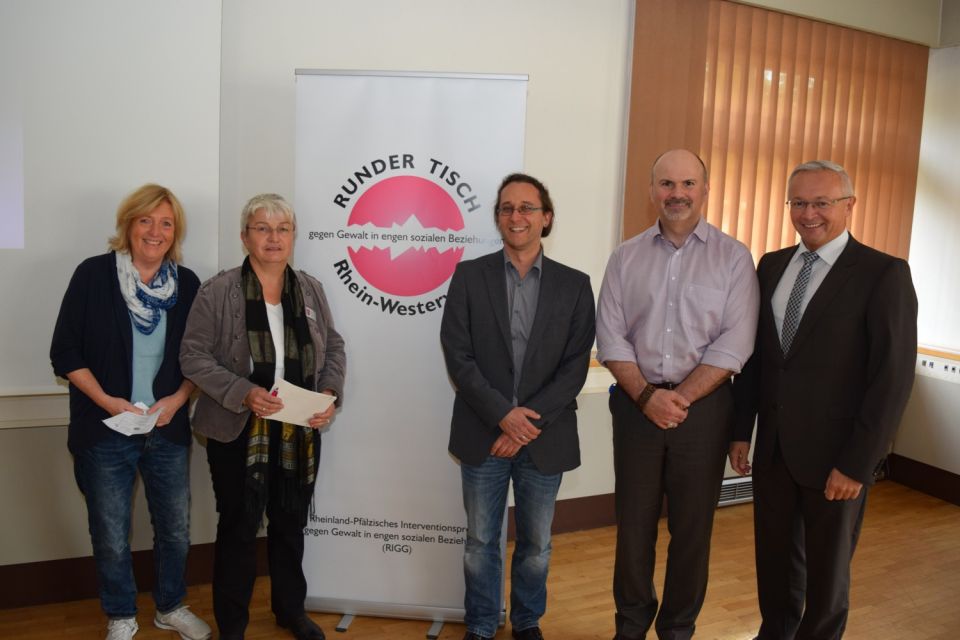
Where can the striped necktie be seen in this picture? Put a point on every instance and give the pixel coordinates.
(791, 319)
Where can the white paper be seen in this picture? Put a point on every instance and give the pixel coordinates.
(299, 404)
(130, 424)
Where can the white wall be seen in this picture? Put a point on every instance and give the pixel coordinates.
(911, 20)
(930, 432)
(112, 94)
(43, 511)
(950, 23)
(936, 223)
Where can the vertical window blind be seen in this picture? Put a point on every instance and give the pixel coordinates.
(779, 90)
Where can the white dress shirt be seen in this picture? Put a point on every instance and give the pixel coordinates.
(818, 271)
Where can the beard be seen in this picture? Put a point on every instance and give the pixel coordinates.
(675, 215)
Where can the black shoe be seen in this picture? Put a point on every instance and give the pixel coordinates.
(531, 633)
(303, 628)
(474, 636)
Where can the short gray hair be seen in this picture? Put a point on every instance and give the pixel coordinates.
(846, 184)
(273, 206)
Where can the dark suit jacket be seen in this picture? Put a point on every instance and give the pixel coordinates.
(93, 331)
(475, 334)
(836, 399)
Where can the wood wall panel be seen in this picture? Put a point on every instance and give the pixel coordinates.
(666, 95)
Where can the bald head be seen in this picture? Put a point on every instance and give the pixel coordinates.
(682, 155)
(678, 188)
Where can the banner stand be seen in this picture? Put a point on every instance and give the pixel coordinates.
(396, 177)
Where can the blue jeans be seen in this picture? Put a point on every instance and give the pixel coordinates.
(485, 500)
(105, 473)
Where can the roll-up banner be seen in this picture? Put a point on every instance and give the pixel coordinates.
(396, 177)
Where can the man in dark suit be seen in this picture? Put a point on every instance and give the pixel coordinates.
(829, 378)
(516, 333)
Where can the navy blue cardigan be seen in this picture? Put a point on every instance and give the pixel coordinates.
(93, 331)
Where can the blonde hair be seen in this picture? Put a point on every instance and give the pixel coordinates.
(142, 202)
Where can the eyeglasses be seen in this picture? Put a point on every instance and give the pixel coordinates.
(282, 230)
(524, 209)
(819, 205)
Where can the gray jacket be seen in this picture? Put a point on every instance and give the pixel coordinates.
(215, 354)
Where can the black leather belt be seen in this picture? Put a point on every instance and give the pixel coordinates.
(669, 386)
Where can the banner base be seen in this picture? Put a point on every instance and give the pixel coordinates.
(434, 631)
(383, 609)
(344, 623)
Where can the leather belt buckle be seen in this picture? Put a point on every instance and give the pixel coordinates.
(669, 386)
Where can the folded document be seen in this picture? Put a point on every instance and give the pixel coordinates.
(299, 404)
(130, 424)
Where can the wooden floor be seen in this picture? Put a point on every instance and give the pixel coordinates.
(906, 585)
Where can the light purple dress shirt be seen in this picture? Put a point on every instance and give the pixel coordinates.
(670, 309)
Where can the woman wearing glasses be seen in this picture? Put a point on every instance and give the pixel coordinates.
(249, 327)
(116, 340)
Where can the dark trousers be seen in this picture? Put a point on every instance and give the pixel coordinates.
(804, 545)
(686, 465)
(235, 550)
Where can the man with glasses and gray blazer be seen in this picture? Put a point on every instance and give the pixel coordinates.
(516, 333)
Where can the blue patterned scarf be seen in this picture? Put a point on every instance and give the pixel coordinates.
(146, 302)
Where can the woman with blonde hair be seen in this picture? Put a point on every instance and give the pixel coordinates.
(117, 341)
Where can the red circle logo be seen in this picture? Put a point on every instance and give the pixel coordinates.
(389, 204)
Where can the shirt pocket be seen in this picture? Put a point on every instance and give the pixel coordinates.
(701, 311)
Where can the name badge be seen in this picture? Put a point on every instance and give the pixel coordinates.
(311, 314)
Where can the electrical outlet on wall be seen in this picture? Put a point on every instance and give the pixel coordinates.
(939, 367)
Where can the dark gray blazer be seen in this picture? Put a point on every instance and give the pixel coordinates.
(475, 335)
(836, 399)
(215, 352)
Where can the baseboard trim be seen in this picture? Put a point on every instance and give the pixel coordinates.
(35, 583)
(923, 477)
(576, 514)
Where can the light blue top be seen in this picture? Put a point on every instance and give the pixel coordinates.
(147, 358)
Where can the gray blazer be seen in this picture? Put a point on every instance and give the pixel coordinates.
(215, 353)
(475, 335)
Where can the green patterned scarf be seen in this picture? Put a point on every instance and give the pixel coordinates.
(296, 459)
